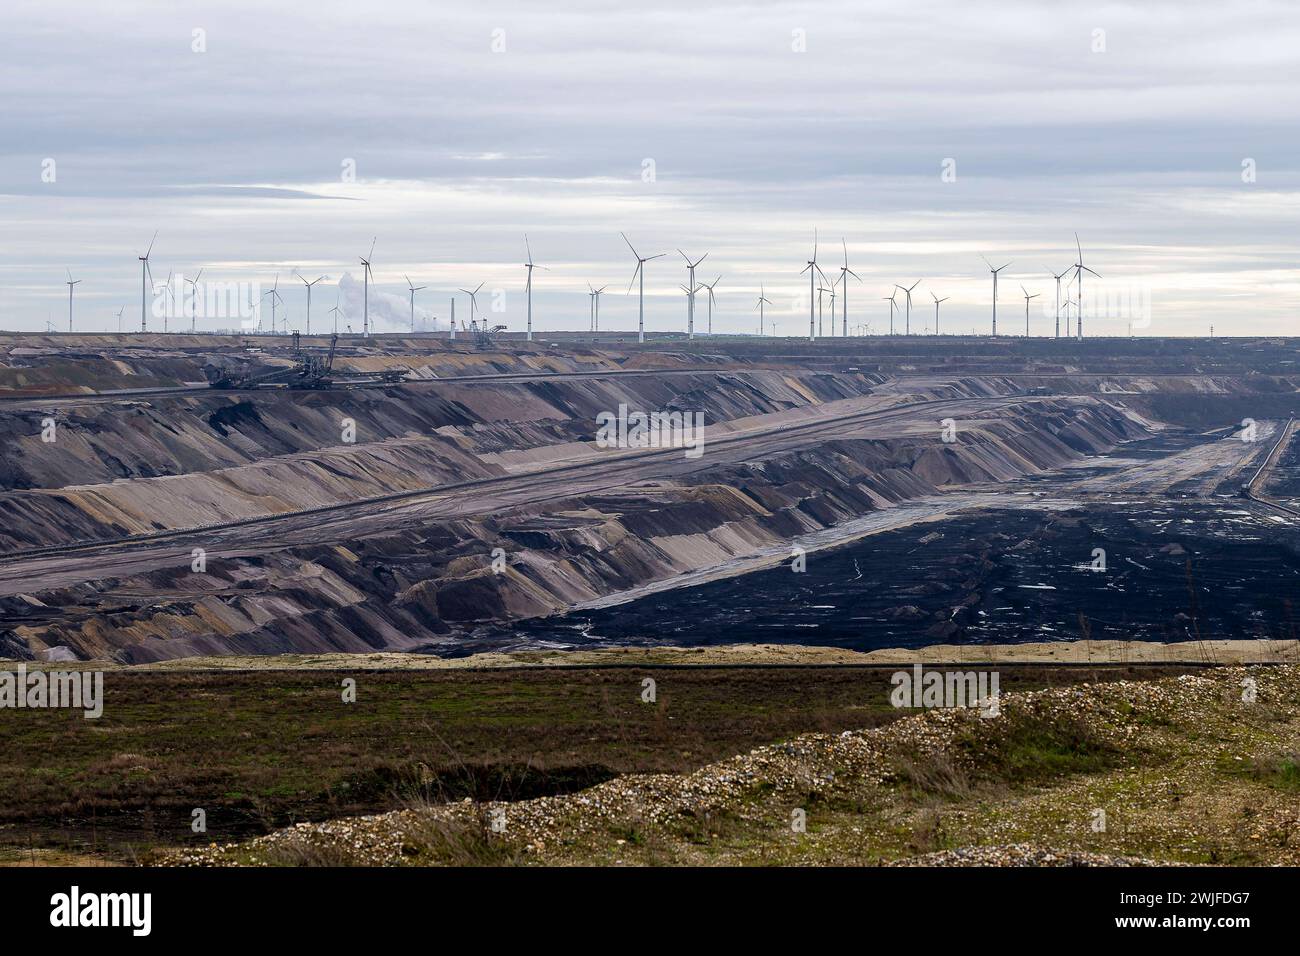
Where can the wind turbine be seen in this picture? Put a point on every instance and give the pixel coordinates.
(528, 286)
(1079, 270)
(591, 308)
(473, 303)
(274, 293)
(595, 296)
(640, 271)
(309, 285)
(709, 286)
(813, 270)
(1027, 298)
(414, 289)
(169, 296)
(907, 291)
(995, 291)
(144, 272)
(194, 294)
(274, 297)
(690, 295)
(335, 311)
(1058, 297)
(365, 292)
(119, 319)
(937, 300)
(762, 298)
(71, 283)
(820, 291)
(845, 272)
(892, 305)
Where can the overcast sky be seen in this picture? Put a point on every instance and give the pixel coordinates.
(469, 124)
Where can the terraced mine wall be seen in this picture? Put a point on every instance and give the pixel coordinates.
(37, 365)
(200, 459)
(425, 585)
(184, 461)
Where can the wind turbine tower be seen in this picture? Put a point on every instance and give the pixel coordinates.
(709, 286)
(845, 272)
(995, 291)
(937, 300)
(144, 272)
(595, 295)
(639, 271)
(473, 303)
(528, 286)
(1079, 270)
(274, 293)
(365, 292)
(71, 283)
(762, 299)
(1058, 298)
(414, 289)
(690, 294)
(336, 311)
(813, 271)
(309, 285)
(907, 292)
(1027, 298)
(194, 299)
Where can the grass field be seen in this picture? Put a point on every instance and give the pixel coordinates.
(259, 750)
(1190, 769)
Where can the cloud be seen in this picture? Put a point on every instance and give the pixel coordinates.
(234, 154)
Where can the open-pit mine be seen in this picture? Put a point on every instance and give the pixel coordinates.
(352, 598)
(172, 496)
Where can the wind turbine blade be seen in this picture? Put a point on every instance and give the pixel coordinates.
(155, 239)
(1086, 269)
(372, 248)
(630, 246)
